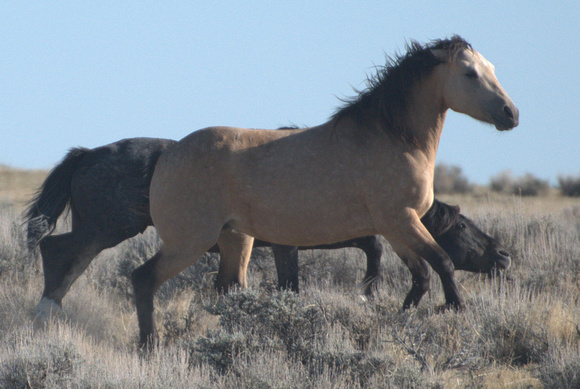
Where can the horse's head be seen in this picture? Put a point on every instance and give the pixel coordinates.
(470, 87)
(468, 247)
(473, 250)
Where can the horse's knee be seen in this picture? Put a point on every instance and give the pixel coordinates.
(441, 263)
(422, 244)
(230, 274)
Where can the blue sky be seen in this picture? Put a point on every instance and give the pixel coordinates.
(91, 73)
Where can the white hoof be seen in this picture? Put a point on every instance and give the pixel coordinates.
(45, 309)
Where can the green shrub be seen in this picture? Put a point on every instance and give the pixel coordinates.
(528, 185)
(450, 179)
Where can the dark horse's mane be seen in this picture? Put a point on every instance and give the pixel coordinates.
(440, 218)
(386, 96)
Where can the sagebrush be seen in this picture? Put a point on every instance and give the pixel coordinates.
(521, 329)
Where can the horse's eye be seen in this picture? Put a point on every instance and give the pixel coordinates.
(471, 74)
(461, 226)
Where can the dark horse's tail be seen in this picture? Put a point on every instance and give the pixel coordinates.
(51, 199)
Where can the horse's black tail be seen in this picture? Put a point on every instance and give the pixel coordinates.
(51, 199)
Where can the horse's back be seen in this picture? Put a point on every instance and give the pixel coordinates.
(276, 185)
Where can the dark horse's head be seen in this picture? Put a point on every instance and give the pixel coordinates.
(468, 247)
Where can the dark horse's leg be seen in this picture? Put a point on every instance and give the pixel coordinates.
(373, 248)
(64, 258)
(286, 258)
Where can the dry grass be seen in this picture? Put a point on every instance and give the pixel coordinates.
(513, 334)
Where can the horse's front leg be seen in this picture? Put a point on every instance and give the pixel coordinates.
(420, 272)
(417, 240)
(235, 252)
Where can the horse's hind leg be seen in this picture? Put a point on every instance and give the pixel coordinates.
(64, 258)
(286, 258)
(147, 278)
(235, 252)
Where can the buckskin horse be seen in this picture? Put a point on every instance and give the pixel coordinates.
(368, 170)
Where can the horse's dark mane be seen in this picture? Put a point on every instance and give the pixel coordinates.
(440, 218)
(386, 95)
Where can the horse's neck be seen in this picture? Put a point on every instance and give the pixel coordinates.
(424, 119)
(426, 116)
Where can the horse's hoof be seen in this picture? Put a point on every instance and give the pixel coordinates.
(45, 310)
(457, 307)
(148, 344)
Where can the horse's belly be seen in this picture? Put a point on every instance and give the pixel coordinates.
(304, 223)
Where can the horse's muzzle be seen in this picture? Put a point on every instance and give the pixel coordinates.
(508, 119)
(503, 259)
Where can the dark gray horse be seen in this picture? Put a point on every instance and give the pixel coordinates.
(468, 247)
(107, 190)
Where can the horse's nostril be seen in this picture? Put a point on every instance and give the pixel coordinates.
(508, 111)
(504, 253)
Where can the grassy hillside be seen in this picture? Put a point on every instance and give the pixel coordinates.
(17, 185)
(521, 331)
